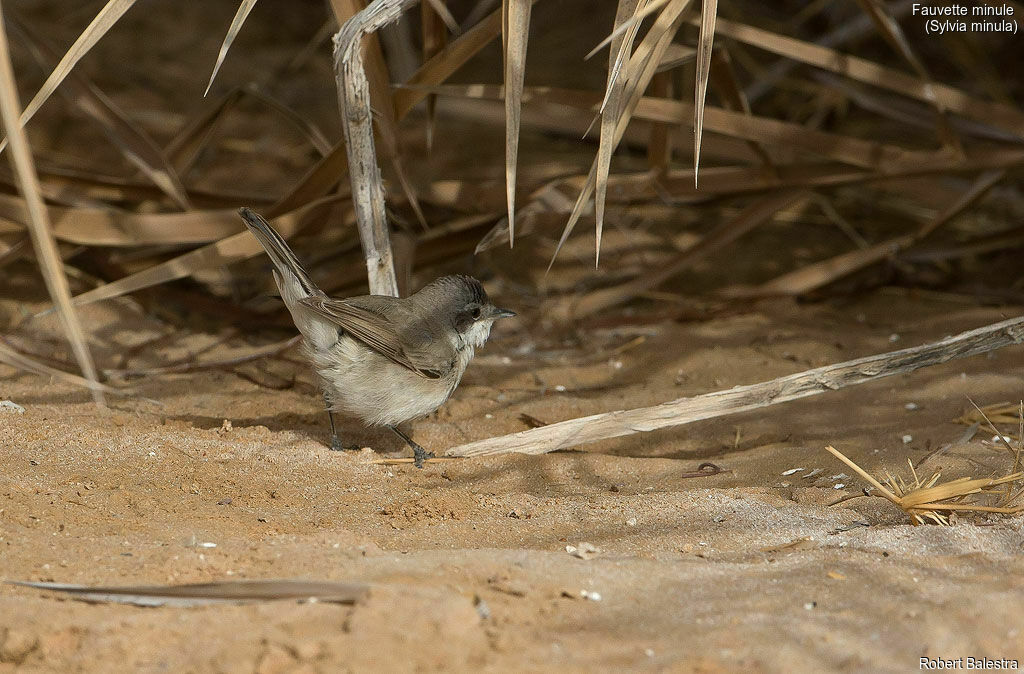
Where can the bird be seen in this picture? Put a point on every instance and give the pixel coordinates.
(384, 360)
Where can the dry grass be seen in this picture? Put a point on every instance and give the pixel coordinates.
(929, 500)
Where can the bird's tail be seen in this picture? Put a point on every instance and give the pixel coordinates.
(290, 274)
(293, 282)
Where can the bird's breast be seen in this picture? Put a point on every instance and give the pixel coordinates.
(367, 385)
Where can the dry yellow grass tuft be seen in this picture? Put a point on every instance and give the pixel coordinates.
(928, 500)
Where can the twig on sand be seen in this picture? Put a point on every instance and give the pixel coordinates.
(745, 398)
(705, 469)
(399, 461)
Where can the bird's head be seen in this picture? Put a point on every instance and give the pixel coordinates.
(465, 301)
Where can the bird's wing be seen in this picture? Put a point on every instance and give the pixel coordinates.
(393, 333)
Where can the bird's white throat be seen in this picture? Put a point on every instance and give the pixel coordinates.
(478, 333)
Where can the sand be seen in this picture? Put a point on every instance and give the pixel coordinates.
(467, 562)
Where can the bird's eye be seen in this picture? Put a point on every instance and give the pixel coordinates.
(476, 313)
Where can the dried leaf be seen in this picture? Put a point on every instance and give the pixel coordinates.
(822, 273)
(104, 20)
(583, 430)
(952, 99)
(639, 70)
(236, 25)
(22, 362)
(135, 145)
(201, 594)
(708, 14)
(237, 247)
(516, 33)
(611, 108)
(50, 263)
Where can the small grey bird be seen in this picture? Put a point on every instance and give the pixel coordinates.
(385, 360)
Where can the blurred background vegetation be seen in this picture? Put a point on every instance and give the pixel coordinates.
(844, 151)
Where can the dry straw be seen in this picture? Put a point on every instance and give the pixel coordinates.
(930, 500)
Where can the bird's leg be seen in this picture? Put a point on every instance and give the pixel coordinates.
(419, 454)
(336, 445)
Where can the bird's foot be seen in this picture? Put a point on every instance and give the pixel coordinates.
(420, 455)
(336, 445)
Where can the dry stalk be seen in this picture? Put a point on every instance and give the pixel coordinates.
(357, 122)
(997, 413)
(926, 500)
(39, 223)
(597, 427)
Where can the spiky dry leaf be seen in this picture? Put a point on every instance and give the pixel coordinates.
(137, 147)
(236, 25)
(611, 107)
(708, 15)
(38, 223)
(515, 36)
(104, 20)
(640, 68)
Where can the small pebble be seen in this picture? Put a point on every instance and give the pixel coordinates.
(10, 406)
(791, 471)
(838, 486)
(583, 550)
(631, 522)
(911, 406)
(482, 609)
(907, 439)
(810, 605)
(894, 337)
(560, 388)
(592, 596)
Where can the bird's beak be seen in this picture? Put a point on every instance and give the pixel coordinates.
(502, 313)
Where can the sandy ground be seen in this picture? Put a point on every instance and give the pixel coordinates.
(747, 570)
